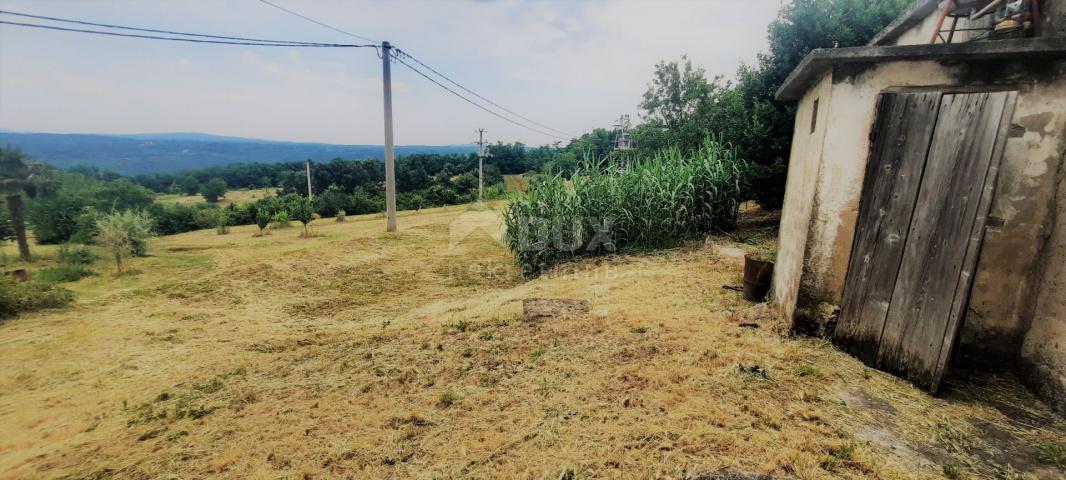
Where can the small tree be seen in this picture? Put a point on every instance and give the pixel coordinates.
(341, 214)
(214, 190)
(263, 217)
(123, 234)
(301, 209)
(222, 221)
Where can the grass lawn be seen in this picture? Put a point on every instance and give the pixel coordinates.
(361, 354)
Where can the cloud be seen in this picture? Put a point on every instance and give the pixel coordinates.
(572, 65)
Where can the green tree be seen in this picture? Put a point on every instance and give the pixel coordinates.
(300, 209)
(263, 216)
(188, 185)
(214, 190)
(332, 200)
(801, 26)
(681, 107)
(123, 234)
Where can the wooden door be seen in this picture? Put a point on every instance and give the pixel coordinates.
(928, 186)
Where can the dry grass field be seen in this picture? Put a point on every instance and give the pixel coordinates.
(361, 354)
(238, 197)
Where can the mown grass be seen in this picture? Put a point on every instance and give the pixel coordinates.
(354, 356)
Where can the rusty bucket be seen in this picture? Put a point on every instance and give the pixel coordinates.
(757, 276)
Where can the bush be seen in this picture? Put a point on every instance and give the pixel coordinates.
(765, 185)
(341, 215)
(74, 254)
(651, 203)
(63, 273)
(124, 234)
(16, 298)
(54, 219)
(172, 218)
(280, 220)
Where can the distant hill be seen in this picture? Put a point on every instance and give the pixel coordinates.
(168, 152)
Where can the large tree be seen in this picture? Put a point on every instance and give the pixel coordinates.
(801, 26)
(681, 106)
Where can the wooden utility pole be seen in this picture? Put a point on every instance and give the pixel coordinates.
(390, 161)
(307, 164)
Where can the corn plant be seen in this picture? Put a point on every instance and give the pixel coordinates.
(650, 203)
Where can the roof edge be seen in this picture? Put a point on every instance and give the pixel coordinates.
(821, 59)
(905, 21)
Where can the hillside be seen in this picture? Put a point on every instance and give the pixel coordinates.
(361, 354)
(169, 152)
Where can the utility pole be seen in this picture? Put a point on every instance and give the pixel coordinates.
(308, 165)
(390, 160)
(481, 154)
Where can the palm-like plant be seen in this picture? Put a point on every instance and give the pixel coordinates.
(15, 180)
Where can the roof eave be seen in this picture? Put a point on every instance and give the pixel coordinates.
(819, 60)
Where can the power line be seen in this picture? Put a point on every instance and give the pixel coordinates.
(152, 30)
(478, 105)
(193, 40)
(441, 75)
(501, 107)
(309, 19)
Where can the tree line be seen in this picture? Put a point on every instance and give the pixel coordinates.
(682, 106)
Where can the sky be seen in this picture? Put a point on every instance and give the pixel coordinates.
(571, 65)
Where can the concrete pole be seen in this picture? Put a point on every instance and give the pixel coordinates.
(390, 160)
(310, 196)
(480, 163)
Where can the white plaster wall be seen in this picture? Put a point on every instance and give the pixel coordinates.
(803, 167)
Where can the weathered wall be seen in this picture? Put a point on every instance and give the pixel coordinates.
(1009, 272)
(1044, 348)
(1004, 305)
(804, 165)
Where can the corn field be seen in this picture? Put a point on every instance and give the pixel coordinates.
(649, 203)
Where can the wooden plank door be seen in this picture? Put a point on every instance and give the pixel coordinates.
(898, 147)
(909, 279)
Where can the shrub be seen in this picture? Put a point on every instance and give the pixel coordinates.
(765, 184)
(340, 216)
(262, 220)
(222, 221)
(124, 234)
(301, 210)
(54, 219)
(74, 254)
(63, 273)
(280, 219)
(16, 298)
(171, 218)
(650, 203)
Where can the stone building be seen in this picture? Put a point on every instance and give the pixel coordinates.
(925, 210)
